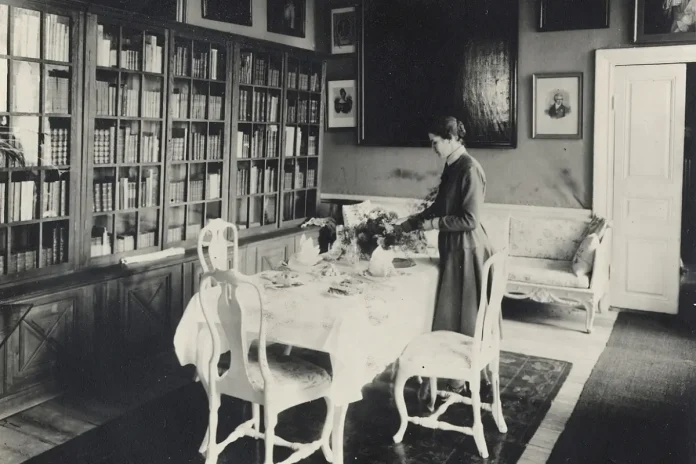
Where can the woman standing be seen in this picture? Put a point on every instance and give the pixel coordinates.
(462, 241)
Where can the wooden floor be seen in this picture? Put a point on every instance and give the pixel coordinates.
(537, 330)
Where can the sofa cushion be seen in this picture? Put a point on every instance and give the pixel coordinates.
(538, 237)
(545, 272)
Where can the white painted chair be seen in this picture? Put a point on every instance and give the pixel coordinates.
(451, 355)
(213, 239)
(276, 383)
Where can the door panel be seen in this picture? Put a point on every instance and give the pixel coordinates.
(649, 106)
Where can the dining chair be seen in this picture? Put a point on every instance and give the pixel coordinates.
(275, 382)
(213, 239)
(451, 355)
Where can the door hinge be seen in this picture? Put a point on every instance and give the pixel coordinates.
(612, 103)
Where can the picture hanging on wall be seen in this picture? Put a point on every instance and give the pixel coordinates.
(286, 17)
(343, 30)
(557, 106)
(664, 21)
(236, 12)
(567, 15)
(341, 103)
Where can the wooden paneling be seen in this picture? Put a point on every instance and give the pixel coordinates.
(271, 255)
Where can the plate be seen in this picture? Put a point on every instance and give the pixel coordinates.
(276, 285)
(400, 263)
(367, 275)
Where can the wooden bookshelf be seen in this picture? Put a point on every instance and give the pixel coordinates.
(39, 118)
(198, 153)
(303, 119)
(258, 139)
(125, 153)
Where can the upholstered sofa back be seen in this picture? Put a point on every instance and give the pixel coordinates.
(547, 238)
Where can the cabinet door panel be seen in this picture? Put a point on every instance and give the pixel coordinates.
(270, 255)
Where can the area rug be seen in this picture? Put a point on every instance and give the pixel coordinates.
(639, 403)
(170, 429)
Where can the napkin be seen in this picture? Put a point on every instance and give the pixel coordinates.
(307, 253)
(381, 264)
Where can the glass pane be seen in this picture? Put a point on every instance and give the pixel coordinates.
(4, 76)
(57, 37)
(54, 246)
(311, 203)
(243, 174)
(179, 143)
(57, 91)
(107, 84)
(180, 99)
(4, 181)
(217, 63)
(288, 206)
(245, 104)
(315, 78)
(126, 191)
(242, 208)
(26, 86)
(25, 130)
(198, 142)
(272, 141)
(26, 31)
(128, 142)
(300, 210)
(23, 251)
(196, 182)
(201, 60)
(246, 67)
(194, 221)
(131, 49)
(147, 237)
(4, 30)
(149, 187)
(152, 97)
(274, 71)
(103, 189)
(214, 181)
(313, 141)
(292, 73)
(23, 196)
(215, 140)
(102, 234)
(154, 53)
(104, 142)
(175, 233)
(300, 172)
(130, 96)
(256, 177)
(182, 55)
(288, 175)
(200, 94)
(177, 184)
(125, 232)
(255, 211)
(269, 209)
(270, 177)
(216, 100)
(107, 45)
(55, 194)
(151, 142)
(213, 211)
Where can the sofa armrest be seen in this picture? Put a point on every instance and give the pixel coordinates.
(602, 262)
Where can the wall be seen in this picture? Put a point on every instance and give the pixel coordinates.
(538, 172)
(258, 28)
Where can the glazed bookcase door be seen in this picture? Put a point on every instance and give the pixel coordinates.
(127, 143)
(302, 147)
(40, 77)
(198, 155)
(258, 139)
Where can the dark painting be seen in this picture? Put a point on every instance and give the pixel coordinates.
(565, 15)
(234, 12)
(286, 17)
(665, 21)
(438, 57)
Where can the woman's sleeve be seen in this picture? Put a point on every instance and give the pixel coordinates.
(472, 200)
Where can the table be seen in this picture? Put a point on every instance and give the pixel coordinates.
(363, 334)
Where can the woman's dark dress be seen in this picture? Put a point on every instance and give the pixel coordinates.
(462, 242)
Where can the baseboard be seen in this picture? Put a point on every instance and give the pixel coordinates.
(28, 398)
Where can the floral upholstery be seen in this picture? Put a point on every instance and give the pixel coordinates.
(446, 348)
(353, 214)
(497, 227)
(545, 272)
(286, 371)
(534, 237)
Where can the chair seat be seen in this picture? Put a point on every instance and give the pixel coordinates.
(546, 272)
(441, 348)
(288, 371)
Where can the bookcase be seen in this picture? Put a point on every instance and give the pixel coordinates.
(39, 123)
(198, 152)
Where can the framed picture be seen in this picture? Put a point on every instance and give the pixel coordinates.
(566, 15)
(341, 100)
(659, 21)
(557, 101)
(343, 30)
(286, 17)
(237, 12)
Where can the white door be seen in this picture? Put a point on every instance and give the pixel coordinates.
(649, 106)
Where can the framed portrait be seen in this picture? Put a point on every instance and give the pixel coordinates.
(343, 30)
(567, 15)
(340, 106)
(664, 21)
(557, 106)
(286, 17)
(237, 12)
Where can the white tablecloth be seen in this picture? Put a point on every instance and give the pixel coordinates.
(362, 333)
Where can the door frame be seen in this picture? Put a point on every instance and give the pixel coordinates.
(606, 62)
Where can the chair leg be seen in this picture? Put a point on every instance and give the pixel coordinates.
(326, 432)
(211, 434)
(591, 309)
(399, 384)
(477, 428)
(288, 350)
(497, 404)
(270, 419)
(433, 394)
(256, 416)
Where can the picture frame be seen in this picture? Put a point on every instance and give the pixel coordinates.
(343, 30)
(568, 15)
(557, 105)
(656, 23)
(237, 12)
(341, 102)
(287, 17)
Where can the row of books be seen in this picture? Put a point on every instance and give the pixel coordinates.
(57, 95)
(106, 146)
(199, 151)
(257, 179)
(179, 101)
(201, 63)
(299, 180)
(26, 37)
(262, 143)
(305, 82)
(23, 200)
(259, 70)
(57, 147)
(297, 112)
(176, 233)
(54, 199)
(130, 102)
(293, 141)
(57, 33)
(126, 194)
(258, 106)
(197, 189)
(54, 251)
(130, 53)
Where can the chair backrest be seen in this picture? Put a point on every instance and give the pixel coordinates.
(493, 283)
(230, 314)
(213, 238)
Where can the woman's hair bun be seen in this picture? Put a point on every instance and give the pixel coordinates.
(447, 127)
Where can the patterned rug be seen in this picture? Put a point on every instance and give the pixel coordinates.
(170, 429)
